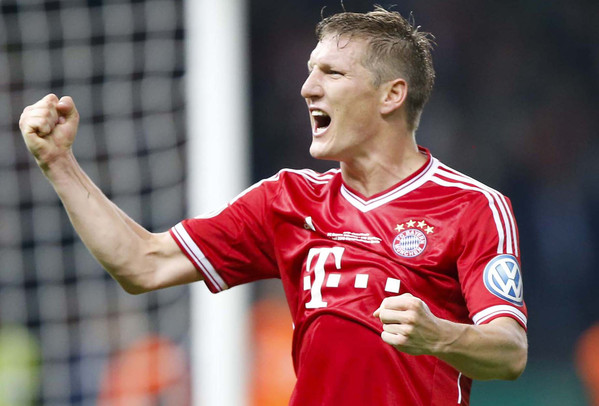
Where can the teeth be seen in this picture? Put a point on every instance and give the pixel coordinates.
(319, 113)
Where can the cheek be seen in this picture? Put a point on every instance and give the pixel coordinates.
(361, 114)
(355, 108)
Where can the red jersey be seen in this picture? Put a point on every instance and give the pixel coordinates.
(439, 235)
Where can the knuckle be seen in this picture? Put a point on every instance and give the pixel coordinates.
(46, 105)
(410, 318)
(25, 115)
(413, 303)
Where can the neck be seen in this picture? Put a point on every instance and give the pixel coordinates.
(376, 172)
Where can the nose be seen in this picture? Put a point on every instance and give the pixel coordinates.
(312, 87)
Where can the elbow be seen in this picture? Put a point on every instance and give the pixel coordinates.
(134, 281)
(515, 372)
(518, 364)
(514, 350)
(149, 267)
(137, 274)
(133, 286)
(519, 368)
(133, 289)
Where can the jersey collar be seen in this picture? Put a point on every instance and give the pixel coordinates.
(400, 189)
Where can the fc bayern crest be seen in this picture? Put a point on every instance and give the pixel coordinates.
(409, 243)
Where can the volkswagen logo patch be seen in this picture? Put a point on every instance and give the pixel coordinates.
(502, 278)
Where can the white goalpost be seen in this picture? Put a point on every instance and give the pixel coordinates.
(217, 128)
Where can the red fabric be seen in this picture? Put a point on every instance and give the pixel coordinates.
(339, 254)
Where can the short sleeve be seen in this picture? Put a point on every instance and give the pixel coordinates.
(489, 262)
(234, 245)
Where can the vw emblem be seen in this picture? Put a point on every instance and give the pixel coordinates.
(502, 278)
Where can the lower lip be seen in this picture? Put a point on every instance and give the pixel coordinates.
(319, 131)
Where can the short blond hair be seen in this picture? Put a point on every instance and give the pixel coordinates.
(396, 49)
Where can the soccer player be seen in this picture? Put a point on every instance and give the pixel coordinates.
(402, 275)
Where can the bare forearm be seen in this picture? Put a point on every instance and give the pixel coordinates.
(497, 350)
(112, 237)
(139, 260)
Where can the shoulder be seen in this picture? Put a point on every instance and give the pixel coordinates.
(303, 179)
(307, 176)
(287, 179)
(306, 184)
(472, 190)
(483, 208)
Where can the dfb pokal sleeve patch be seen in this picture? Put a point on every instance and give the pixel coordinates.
(503, 279)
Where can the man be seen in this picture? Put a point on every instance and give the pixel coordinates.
(402, 275)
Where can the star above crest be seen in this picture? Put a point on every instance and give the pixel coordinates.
(421, 224)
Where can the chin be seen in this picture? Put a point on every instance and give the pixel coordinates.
(325, 147)
(323, 156)
(318, 152)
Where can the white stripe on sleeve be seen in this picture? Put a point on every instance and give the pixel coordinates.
(198, 257)
(495, 198)
(492, 206)
(494, 311)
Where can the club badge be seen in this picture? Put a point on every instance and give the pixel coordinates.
(411, 240)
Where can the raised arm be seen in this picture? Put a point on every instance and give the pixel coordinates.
(497, 350)
(139, 260)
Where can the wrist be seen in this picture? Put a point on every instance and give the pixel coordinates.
(59, 166)
(449, 338)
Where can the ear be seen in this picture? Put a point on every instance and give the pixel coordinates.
(394, 96)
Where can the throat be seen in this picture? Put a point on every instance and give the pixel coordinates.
(370, 180)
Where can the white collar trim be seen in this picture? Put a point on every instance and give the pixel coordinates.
(403, 189)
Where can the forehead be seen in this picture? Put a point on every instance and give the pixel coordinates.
(333, 49)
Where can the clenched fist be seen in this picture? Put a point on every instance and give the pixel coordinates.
(409, 325)
(49, 127)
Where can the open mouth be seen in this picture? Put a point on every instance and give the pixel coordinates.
(321, 121)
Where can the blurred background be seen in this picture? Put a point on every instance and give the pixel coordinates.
(517, 84)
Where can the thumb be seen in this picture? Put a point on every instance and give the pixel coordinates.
(377, 312)
(66, 108)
